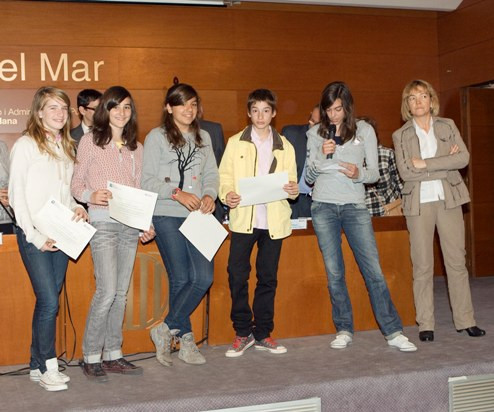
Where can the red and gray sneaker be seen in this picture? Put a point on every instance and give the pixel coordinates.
(270, 345)
(239, 346)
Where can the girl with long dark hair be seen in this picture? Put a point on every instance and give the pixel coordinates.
(180, 166)
(338, 175)
(110, 152)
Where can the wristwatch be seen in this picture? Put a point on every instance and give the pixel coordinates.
(175, 193)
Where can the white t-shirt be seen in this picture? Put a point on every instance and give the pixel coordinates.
(432, 190)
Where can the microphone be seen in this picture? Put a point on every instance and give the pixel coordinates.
(331, 134)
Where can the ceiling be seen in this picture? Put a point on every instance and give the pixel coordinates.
(438, 5)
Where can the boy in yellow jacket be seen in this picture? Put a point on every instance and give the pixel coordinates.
(256, 151)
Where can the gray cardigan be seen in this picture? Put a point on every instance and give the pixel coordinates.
(160, 171)
(332, 186)
(443, 166)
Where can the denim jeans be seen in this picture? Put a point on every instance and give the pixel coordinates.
(190, 274)
(46, 271)
(113, 248)
(329, 220)
(260, 319)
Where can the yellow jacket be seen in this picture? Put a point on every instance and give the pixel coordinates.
(240, 160)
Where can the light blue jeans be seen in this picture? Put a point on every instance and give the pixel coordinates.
(113, 248)
(354, 219)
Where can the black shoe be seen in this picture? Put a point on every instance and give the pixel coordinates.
(94, 371)
(426, 335)
(473, 331)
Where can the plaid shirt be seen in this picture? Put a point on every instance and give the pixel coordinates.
(388, 188)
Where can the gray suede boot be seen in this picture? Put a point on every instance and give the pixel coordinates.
(163, 339)
(189, 351)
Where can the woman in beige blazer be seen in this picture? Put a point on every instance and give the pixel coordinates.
(429, 153)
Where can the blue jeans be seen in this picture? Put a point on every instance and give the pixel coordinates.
(113, 248)
(354, 219)
(190, 274)
(46, 271)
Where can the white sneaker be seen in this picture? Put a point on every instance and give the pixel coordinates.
(342, 341)
(50, 380)
(35, 376)
(402, 343)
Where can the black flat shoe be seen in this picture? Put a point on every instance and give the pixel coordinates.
(473, 331)
(426, 335)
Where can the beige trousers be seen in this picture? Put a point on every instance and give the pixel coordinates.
(451, 230)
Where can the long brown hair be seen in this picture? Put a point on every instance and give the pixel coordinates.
(178, 95)
(36, 130)
(102, 132)
(333, 91)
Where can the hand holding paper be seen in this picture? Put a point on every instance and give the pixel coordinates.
(130, 206)
(65, 233)
(263, 189)
(204, 232)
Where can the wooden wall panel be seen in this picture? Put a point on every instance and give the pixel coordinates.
(297, 52)
(469, 25)
(118, 25)
(340, 32)
(468, 66)
(466, 58)
(16, 313)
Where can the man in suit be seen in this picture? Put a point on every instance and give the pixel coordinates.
(218, 142)
(87, 101)
(296, 135)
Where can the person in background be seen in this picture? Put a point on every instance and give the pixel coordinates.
(256, 151)
(297, 136)
(339, 205)
(87, 102)
(383, 198)
(180, 166)
(429, 153)
(41, 167)
(215, 131)
(6, 215)
(109, 153)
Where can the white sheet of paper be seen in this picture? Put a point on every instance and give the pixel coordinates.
(130, 206)
(300, 223)
(55, 221)
(331, 166)
(204, 232)
(262, 189)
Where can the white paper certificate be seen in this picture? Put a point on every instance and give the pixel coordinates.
(204, 232)
(262, 189)
(331, 166)
(55, 221)
(130, 206)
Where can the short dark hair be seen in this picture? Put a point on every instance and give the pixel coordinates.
(87, 96)
(262, 95)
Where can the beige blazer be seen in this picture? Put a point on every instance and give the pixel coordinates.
(443, 166)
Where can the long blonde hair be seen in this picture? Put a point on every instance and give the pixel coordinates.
(36, 130)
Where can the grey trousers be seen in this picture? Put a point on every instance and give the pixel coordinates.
(451, 230)
(113, 248)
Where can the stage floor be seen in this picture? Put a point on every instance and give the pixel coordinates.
(367, 376)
